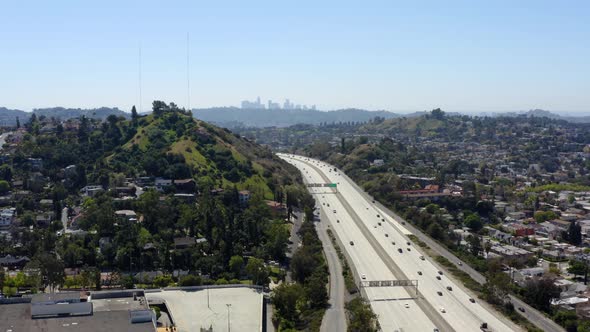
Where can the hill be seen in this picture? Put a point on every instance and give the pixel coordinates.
(8, 116)
(232, 117)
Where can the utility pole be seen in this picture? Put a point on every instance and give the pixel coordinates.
(228, 319)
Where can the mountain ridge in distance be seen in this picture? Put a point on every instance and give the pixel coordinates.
(233, 117)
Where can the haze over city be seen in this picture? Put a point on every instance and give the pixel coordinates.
(460, 56)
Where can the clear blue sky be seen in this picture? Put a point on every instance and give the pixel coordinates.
(461, 56)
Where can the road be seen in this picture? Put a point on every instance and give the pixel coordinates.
(531, 314)
(335, 317)
(376, 239)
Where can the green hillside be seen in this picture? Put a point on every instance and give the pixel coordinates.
(172, 144)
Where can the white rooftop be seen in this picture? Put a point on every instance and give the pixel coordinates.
(190, 311)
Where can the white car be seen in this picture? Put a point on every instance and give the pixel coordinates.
(363, 276)
(442, 310)
(407, 305)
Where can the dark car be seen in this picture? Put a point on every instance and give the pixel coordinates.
(378, 216)
(438, 277)
(351, 243)
(521, 309)
(393, 242)
(386, 235)
(400, 250)
(439, 293)
(440, 272)
(409, 243)
(419, 273)
(472, 300)
(450, 288)
(409, 249)
(338, 220)
(379, 223)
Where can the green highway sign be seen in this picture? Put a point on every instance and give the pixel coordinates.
(331, 185)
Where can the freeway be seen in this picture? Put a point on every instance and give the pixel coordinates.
(378, 249)
(533, 315)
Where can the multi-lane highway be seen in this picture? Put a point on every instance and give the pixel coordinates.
(378, 249)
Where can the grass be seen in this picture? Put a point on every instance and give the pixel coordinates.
(188, 149)
(346, 271)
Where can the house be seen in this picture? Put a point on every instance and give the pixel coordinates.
(162, 183)
(378, 162)
(509, 251)
(187, 198)
(91, 190)
(7, 217)
(35, 164)
(12, 262)
(244, 197)
(184, 242)
(126, 215)
(43, 219)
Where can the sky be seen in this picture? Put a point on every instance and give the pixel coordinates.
(404, 56)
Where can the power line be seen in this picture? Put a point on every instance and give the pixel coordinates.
(188, 76)
(140, 97)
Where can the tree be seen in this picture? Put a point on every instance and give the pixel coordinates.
(577, 268)
(190, 280)
(235, 265)
(257, 271)
(17, 123)
(474, 244)
(574, 234)
(435, 231)
(134, 116)
(362, 318)
(303, 264)
(285, 298)
(52, 269)
(473, 221)
(4, 187)
(316, 291)
(540, 292)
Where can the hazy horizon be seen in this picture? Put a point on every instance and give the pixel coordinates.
(461, 57)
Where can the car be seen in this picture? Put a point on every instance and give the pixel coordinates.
(364, 276)
(460, 263)
(407, 305)
(338, 220)
(403, 222)
(393, 242)
(374, 226)
(419, 273)
(438, 277)
(440, 272)
(334, 211)
(450, 288)
(442, 310)
(377, 216)
(323, 203)
(400, 250)
(382, 219)
(472, 300)
(422, 257)
(328, 204)
(521, 309)
(373, 201)
(439, 293)
(408, 243)
(386, 235)
(379, 223)
(351, 243)
(409, 249)
(436, 330)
